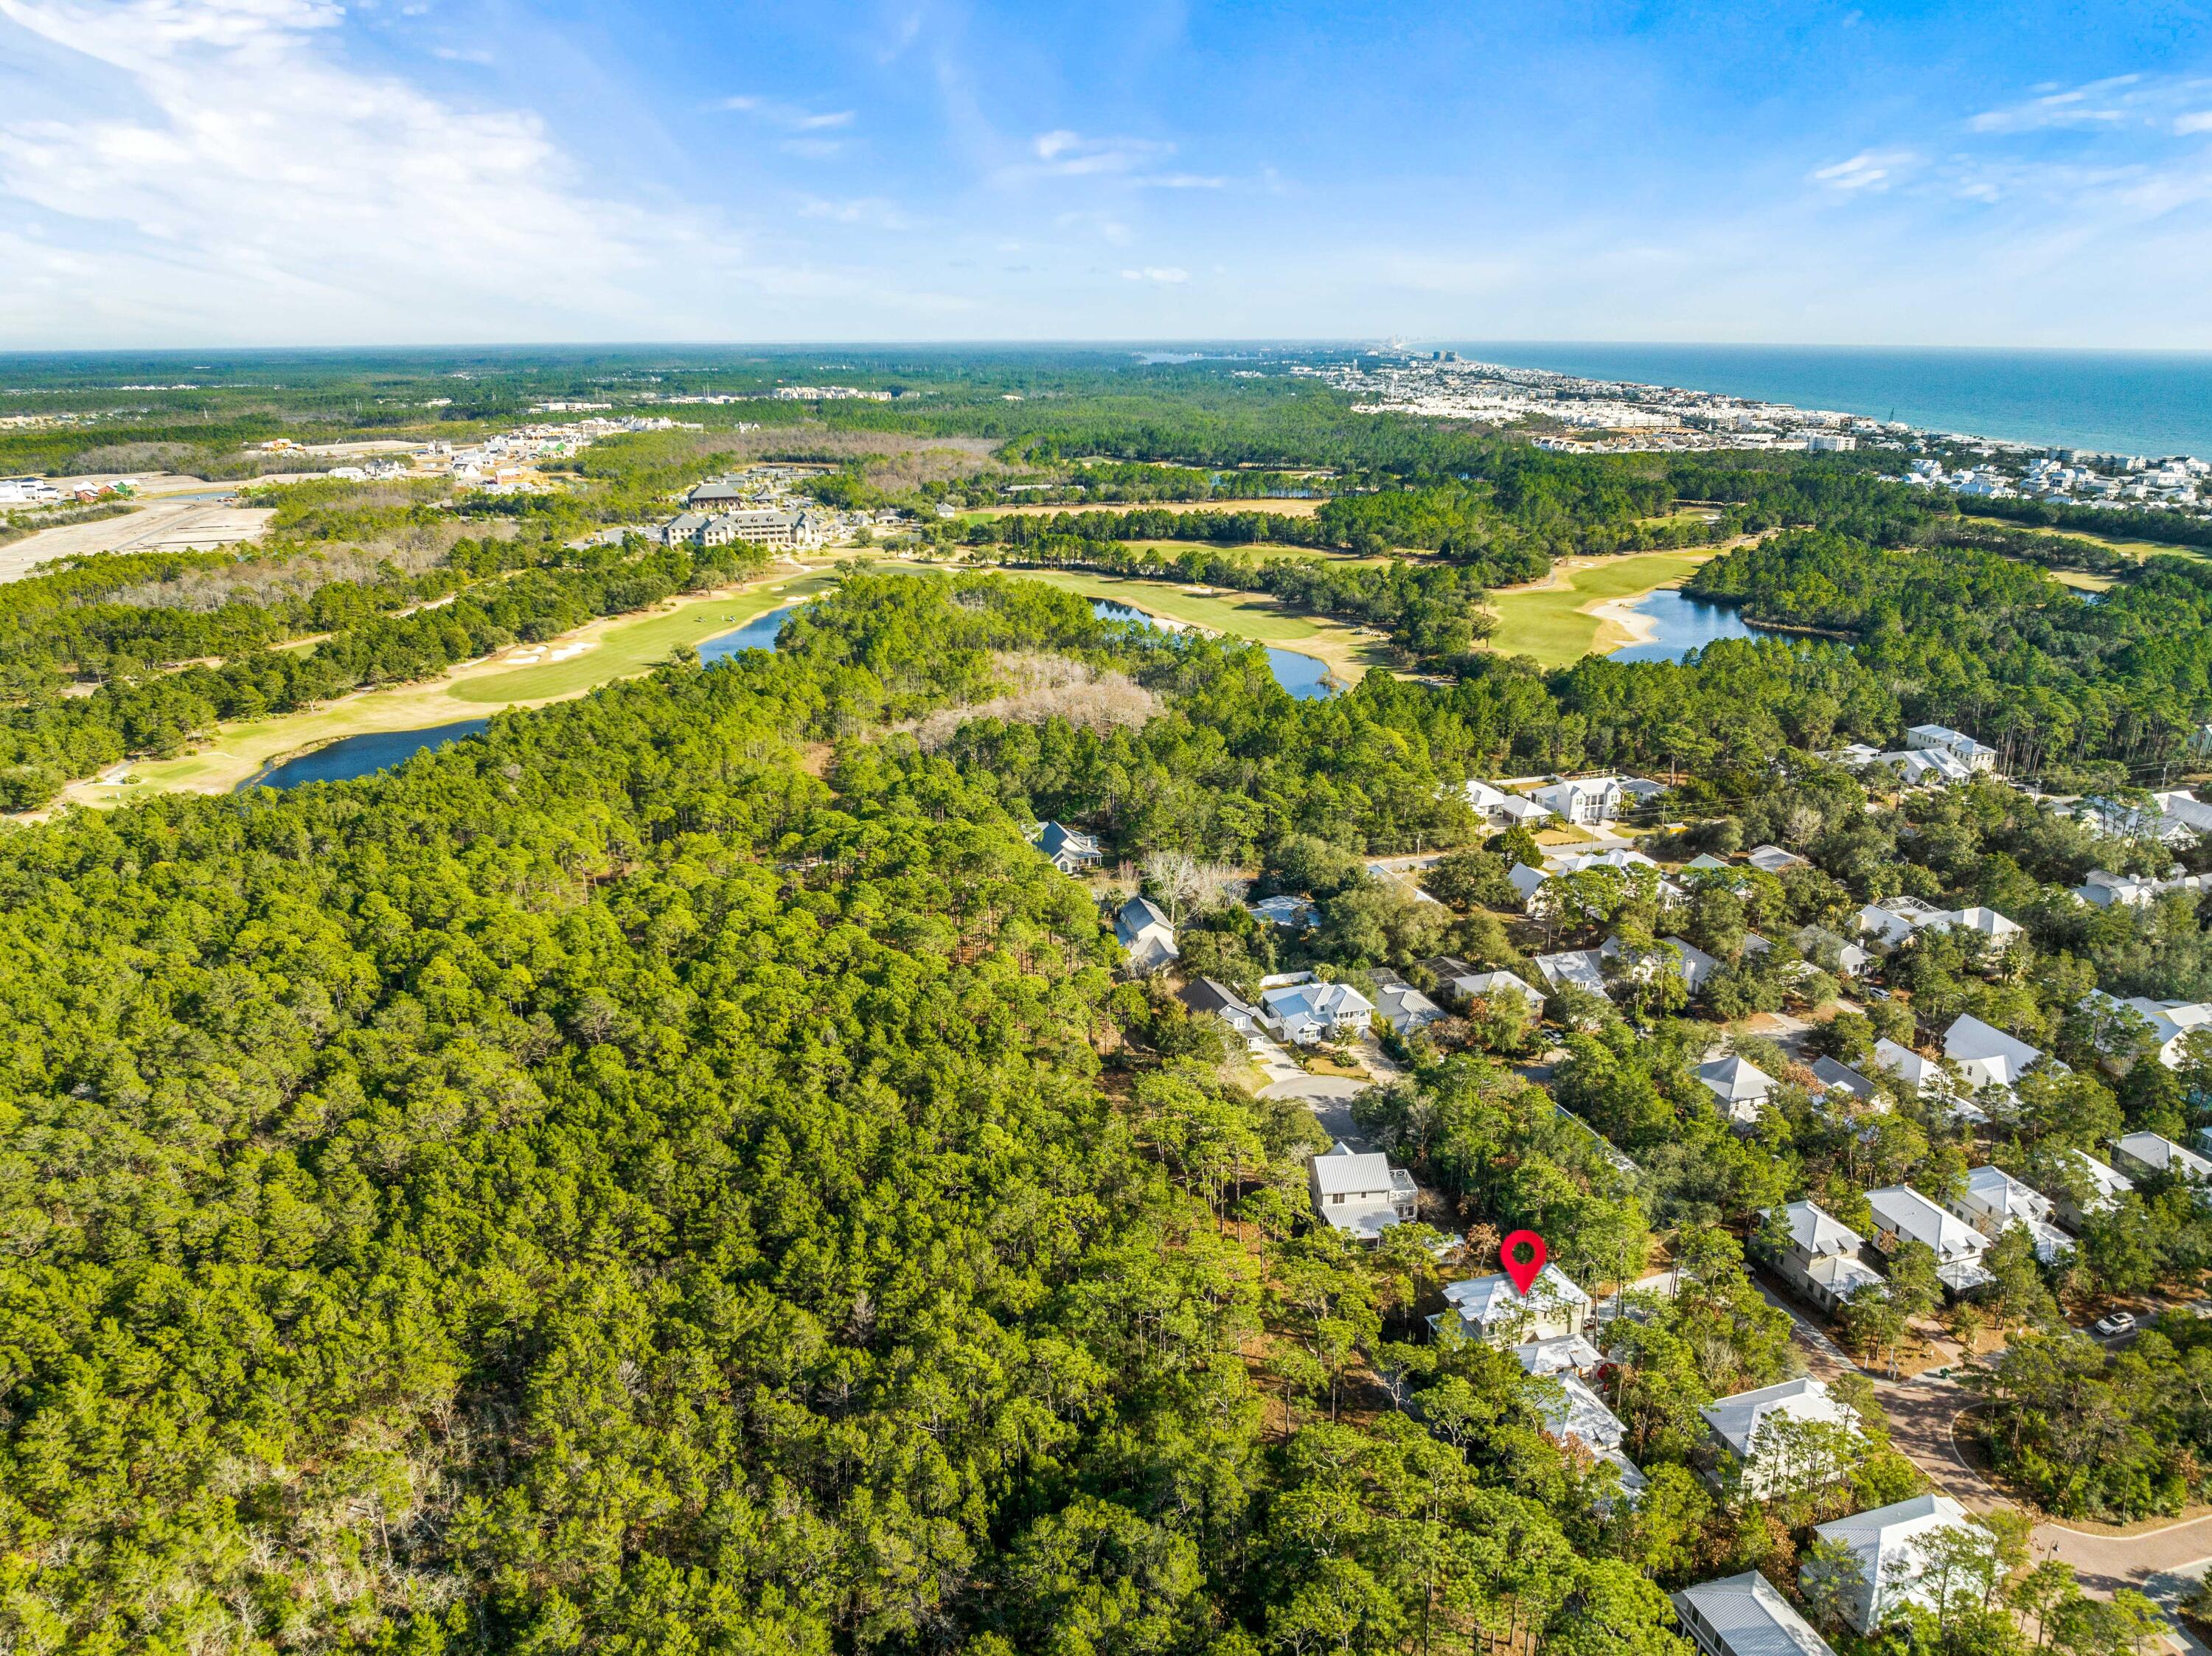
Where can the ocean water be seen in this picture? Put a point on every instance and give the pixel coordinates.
(2147, 402)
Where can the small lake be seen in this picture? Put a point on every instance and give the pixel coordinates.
(1685, 624)
(363, 755)
(758, 634)
(1305, 677)
(358, 756)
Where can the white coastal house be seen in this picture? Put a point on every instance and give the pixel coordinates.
(1486, 986)
(1822, 1259)
(1574, 969)
(1583, 801)
(1405, 1008)
(1893, 920)
(1529, 883)
(1993, 928)
(1562, 1354)
(1361, 1195)
(1740, 1088)
(1742, 1430)
(1772, 859)
(1902, 1214)
(1501, 810)
(1698, 967)
(1994, 1201)
(1309, 1012)
(2178, 806)
(1745, 1615)
(2174, 820)
(1923, 1077)
(1070, 850)
(1577, 1417)
(2172, 1022)
(2103, 1187)
(1491, 1310)
(1925, 767)
(1143, 931)
(1986, 1056)
(1832, 953)
(2105, 889)
(1892, 1568)
(2147, 1154)
(1942, 738)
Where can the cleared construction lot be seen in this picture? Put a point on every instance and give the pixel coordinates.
(161, 526)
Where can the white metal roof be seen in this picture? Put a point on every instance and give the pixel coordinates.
(1750, 1617)
(1344, 1171)
(1815, 1231)
(1737, 1079)
(1486, 1299)
(1916, 1219)
(1736, 1420)
(2164, 1154)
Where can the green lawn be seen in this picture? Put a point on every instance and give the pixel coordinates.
(1554, 625)
(1241, 615)
(2137, 550)
(634, 647)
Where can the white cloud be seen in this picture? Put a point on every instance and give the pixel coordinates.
(1171, 274)
(1870, 169)
(2201, 121)
(2098, 103)
(793, 117)
(874, 211)
(1063, 154)
(219, 169)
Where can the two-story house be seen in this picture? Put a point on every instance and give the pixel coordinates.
(1360, 1194)
(1821, 1259)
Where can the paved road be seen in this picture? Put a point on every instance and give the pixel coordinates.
(2166, 1564)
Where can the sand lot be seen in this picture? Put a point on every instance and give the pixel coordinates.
(162, 526)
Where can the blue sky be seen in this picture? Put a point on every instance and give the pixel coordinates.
(213, 171)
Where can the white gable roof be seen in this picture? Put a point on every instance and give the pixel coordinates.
(1997, 1192)
(1485, 1299)
(1736, 1420)
(1915, 1218)
(1581, 1414)
(1496, 983)
(2165, 1155)
(1748, 1617)
(1987, 1054)
(1814, 1231)
(1344, 1171)
(1922, 1075)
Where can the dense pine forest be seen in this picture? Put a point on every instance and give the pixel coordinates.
(680, 1172)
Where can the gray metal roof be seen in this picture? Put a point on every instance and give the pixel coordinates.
(1750, 1617)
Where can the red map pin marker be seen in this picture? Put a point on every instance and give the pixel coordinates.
(1523, 1271)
